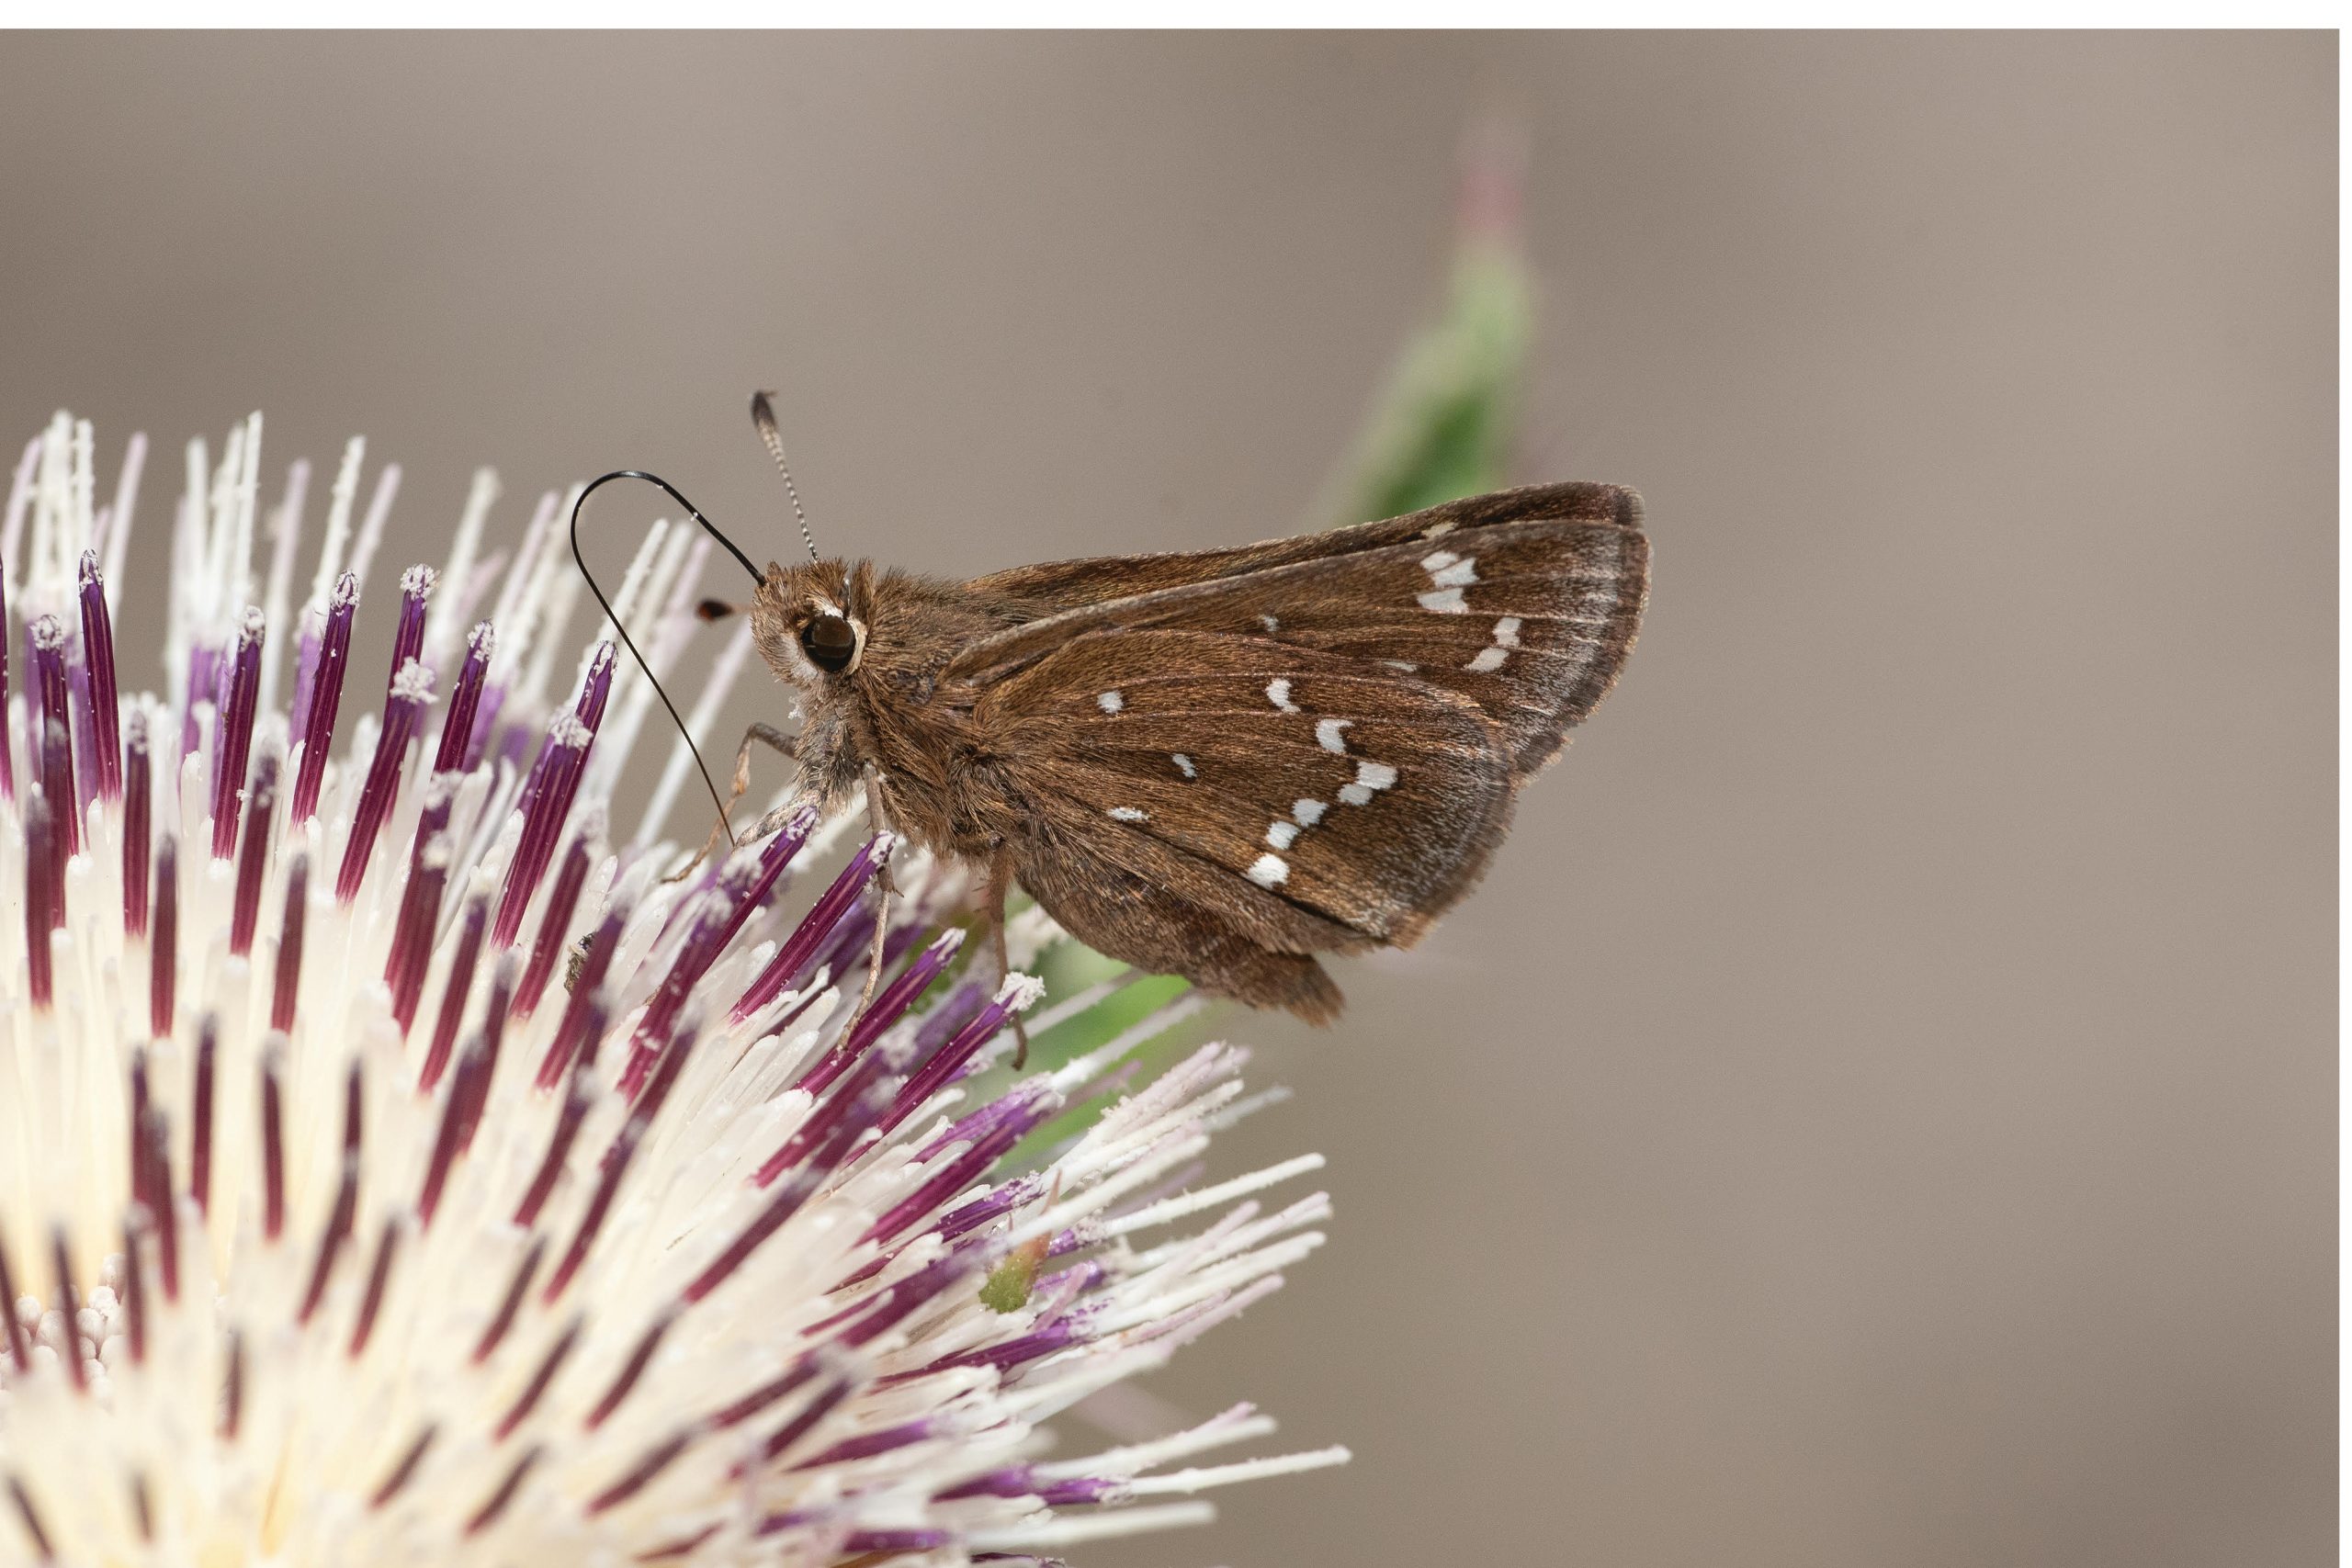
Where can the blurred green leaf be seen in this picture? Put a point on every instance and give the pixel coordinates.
(1443, 426)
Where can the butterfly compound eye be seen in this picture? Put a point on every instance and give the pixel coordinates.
(829, 643)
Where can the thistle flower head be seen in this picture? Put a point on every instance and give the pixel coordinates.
(395, 1167)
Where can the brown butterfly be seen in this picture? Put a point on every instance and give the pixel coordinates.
(1217, 764)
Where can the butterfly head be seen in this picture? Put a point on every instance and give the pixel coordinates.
(807, 624)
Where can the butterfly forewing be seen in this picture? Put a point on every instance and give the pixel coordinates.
(1525, 602)
(1530, 621)
(1075, 584)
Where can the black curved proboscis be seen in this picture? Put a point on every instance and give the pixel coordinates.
(582, 562)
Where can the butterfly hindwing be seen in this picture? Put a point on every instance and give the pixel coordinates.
(1296, 780)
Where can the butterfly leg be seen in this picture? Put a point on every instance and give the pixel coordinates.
(883, 888)
(767, 735)
(1000, 883)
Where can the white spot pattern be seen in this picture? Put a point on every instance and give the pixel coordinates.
(1371, 778)
(1269, 870)
(1280, 835)
(1130, 813)
(1110, 702)
(1278, 694)
(1437, 530)
(1491, 659)
(1326, 734)
(1270, 624)
(1185, 765)
(1447, 569)
(1308, 812)
(1449, 575)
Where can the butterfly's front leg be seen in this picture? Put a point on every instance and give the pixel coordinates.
(883, 888)
(999, 884)
(767, 735)
(777, 740)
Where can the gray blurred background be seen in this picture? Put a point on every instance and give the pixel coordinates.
(1881, 1108)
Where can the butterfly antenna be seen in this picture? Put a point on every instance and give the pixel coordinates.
(763, 416)
(582, 562)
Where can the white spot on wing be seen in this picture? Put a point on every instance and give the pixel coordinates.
(1130, 813)
(1185, 765)
(1110, 702)
(1371, 778)
(1269, 870)
(1437, 530)
(1491, 659)
(1270, 624)
(1280, 834)
(1407, 665)
(1278, 694)
(1326, 734)
(1308, 812)
(1449, 575)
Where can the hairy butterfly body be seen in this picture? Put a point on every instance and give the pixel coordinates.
(1220, 765)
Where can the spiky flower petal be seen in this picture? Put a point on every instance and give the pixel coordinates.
(395, 1167)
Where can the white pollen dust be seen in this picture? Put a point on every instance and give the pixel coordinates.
(1282, 835)
(1308, 812)
(1326, 734)
(1184, 764)
(1110, 702)
(414, 684)
(1130, 814)
(1278, 694)
(1269, 870)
